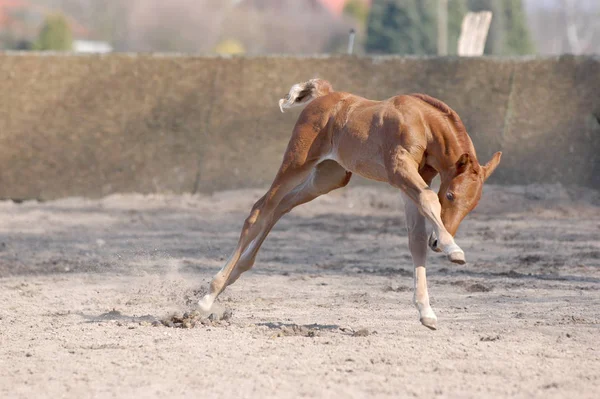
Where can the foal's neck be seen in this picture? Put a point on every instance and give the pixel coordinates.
(448, 142)
(448, 138)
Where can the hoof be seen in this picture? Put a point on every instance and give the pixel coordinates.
(429, 322)
(206, 303)
(433, 243)
(457, 257)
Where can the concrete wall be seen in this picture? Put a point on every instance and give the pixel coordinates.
(95, 125)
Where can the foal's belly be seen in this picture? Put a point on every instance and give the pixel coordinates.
(362, 157)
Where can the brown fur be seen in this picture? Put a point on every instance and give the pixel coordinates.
(461, 131)
(404, 141)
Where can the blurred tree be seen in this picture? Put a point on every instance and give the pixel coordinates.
(509, 33)
(55, 34)
(357, 10)
(410, 26)
(518, 40)
(393, 27)
(457, 9)
(427, 12)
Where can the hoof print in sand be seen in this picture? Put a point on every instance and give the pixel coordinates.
(197, 319)
(295, 330)
(363, 332)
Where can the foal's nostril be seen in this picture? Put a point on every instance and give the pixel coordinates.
(434, 244)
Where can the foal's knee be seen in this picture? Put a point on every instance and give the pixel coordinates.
(428, 198)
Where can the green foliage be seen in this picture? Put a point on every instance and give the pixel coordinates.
(357, 9)
(392, 27)
(55, 34)
(457, 10)
(518, 40)
(508, 34)
(410, 26)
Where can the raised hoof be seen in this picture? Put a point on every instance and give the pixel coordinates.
(433, 243)
(457, 257)
(206, 303)
(429, 322)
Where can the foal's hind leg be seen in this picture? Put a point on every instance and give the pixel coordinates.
(403, 173)
(322, 179)
(257, 224)
(327, 176)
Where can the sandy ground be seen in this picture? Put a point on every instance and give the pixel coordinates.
(326, 312)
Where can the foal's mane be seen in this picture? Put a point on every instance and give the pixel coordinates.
(461, 132)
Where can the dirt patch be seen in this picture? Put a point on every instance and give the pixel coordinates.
(195, 318)
(98, 299)
(363, 332)
(489, 338)
(397, 288)
(473, 287)
(293, 330)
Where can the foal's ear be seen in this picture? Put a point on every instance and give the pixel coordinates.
(463, 163)
(489, 168)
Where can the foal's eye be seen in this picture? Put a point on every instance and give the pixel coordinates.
(450, 196)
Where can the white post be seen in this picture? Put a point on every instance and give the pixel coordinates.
(351, 41)
(473, 34)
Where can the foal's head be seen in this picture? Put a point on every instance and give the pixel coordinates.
(460, 191)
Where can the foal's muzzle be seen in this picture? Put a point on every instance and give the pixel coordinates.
(433, 243)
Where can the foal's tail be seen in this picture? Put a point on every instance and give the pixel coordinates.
(302, 93)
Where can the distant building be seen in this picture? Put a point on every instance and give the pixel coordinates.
(90, 46)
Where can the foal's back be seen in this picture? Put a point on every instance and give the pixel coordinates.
(359, 131)
(345, 112)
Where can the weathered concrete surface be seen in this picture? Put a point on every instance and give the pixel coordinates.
(94, 125)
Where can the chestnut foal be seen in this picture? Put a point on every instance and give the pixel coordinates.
(404, 141)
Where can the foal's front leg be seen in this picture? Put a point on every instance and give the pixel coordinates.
(417, 243)
(403, 173)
